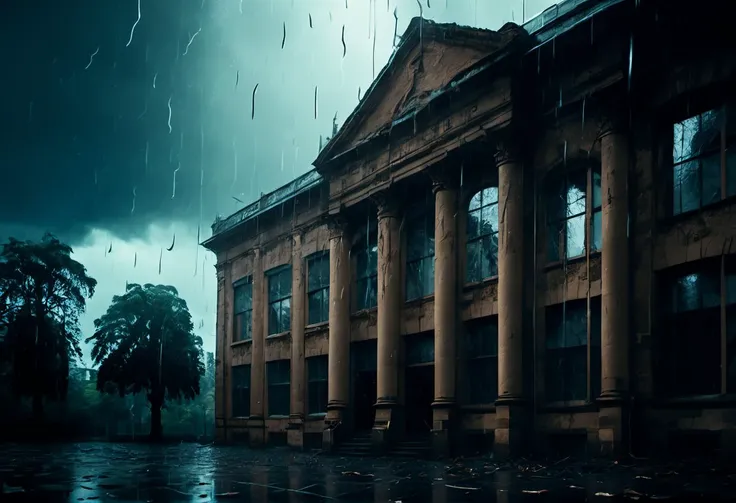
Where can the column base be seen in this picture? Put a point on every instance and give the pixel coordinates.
(512, 424)
(613, 422)
(256, 431)
(334, 427)
(387, 426)
(295, 432)
(443, 427)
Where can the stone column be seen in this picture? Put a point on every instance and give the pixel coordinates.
(614, 288)
(338, 372)
(388, 323)
(256, 424)
(445, 312)
(295, 433)
(510, 407)
(222, 356)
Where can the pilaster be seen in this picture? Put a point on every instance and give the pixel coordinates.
(295, 431)
(256, 424)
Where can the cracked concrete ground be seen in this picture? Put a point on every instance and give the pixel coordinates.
(189, 472)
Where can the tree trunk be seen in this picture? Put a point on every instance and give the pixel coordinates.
(157, 433)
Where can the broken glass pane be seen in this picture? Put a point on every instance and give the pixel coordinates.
(575, 242)
(697, 135)
(686, 187)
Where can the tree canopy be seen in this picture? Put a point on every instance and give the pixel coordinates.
(43, 291)
(145, 342)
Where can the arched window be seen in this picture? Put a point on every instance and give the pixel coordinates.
(482, 240)
(574, 214)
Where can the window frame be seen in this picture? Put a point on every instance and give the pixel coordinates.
(424, 212)
(480, 237)
(270, 275)
(246, 314)
(593, 350)
(323, 289)
(280, 386)
(722, 150)
(590, 213)
(244, 390)
(320, 381)
(723, 269)
(363, 279)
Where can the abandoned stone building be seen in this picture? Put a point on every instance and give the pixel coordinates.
(520, 240)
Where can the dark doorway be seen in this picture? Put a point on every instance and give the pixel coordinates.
(365, 399)
(419, 397)
(363, 365)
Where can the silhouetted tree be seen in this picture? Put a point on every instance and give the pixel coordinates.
(145, 342)
(44, 291)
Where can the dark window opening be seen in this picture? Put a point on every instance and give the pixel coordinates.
(482, 356)
(691, 339)
(704, 159)
(243, 303)
(317, 384)
(567, 351)
(569, 223)
(366, 262)
(241, 390)
(278, 374)
(482, 232)
(420, 349)
(420, 251)
(279, 300)
(318, 287)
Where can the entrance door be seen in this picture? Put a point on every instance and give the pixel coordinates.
(365, 398)
(419, 397)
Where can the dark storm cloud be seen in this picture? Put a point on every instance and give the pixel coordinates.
(83, 124)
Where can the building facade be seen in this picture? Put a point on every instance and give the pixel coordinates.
(522, 239)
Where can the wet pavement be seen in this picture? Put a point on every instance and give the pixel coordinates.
(190, 472)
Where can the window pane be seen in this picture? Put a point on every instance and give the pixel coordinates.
(318, 271)
(489, 256)
(575, 243)
(596, 238)
(490, 195)
(285, 315)
(241, 390)
(555, 231)
(247, 326)
(696, 291)
(285, 279)
(419, 349)
(697, 135)
(576, 189)
(274, 287)
(417, 239)
(711, 174)
(597, 188)
(483, 373)
(482, 338)
(273, 319)
(314, 306)
(473, 268)
(686, 194)
(242, 297)
(413, 280)
(476, 201)
(474, 224)
(366, 296)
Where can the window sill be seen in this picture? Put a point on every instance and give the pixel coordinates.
(364, 313)
(673, 220)
(572, 260)
(240, 343)
(468, 287)
(728, 400)
(316, 416)
(279, 335)
(317, 327)
(240, 418)
(419, 301)
(278, 416)
(569, 406)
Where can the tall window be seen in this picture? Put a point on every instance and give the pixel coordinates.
(279, 300)
(366, 262)
(317, 384)
(241, 390)
(420, 250)
(569, 223)
(243, 301)
(482, 247)
(568, 347)
(482, 354)
(278, 374)
(695, 312)
(704, 159)
(318, 287)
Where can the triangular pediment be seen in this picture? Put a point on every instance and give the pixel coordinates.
(422, 66)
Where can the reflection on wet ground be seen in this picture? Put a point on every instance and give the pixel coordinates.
(187, 472)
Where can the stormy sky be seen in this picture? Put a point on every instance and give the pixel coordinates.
(121, 131)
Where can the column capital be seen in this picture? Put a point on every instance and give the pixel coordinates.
(506, 150)
(444, 178)
(611, 120)
(387, 202)
(337, 226)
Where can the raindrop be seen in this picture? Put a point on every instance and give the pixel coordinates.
(564, 154)
(135, 259)
(283, 40)
(310, 20)
(173, 192)
(132, 210)
(240, 7)
(631, 57)
(132, 30)
(428, 5)
(316, 90)
(344, 47)
(160, 258)
(237, 78)
(92, 57)
(359, 93)
(173, 242)
(396, 25)
(109, 250)
(169, 121)
(155, 76)
(186, 50)
(582, 132)
(253, 103)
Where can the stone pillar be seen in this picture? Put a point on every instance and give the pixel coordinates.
(445, 313)
(388, 324)
(614, 289)
(338, 373)
(511, 413)
(256, 424)
(222, 356)
(295, 431)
